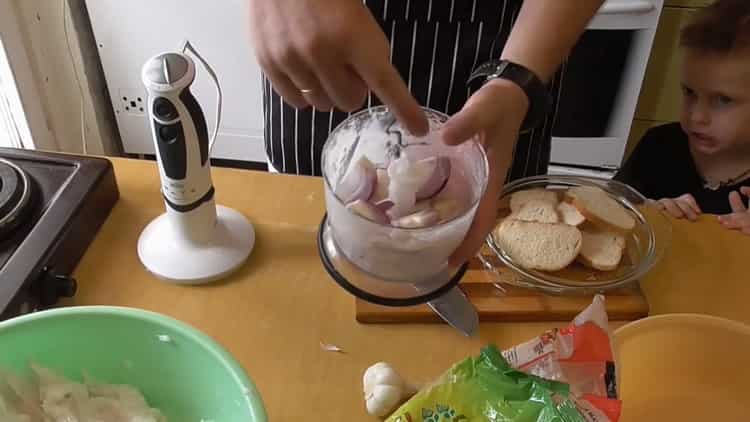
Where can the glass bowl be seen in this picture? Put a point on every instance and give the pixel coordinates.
(645, 245)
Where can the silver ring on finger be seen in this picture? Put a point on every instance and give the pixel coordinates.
(306, 91)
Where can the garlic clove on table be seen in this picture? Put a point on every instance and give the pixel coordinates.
(384, 389)
(383, 400)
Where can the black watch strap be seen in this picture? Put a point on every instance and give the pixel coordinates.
(526, 79)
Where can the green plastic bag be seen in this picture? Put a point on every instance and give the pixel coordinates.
(487, 388)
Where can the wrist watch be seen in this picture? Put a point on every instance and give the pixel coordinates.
(526, 79)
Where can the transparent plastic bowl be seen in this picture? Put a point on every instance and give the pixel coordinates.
(646, 244)
(386, 252)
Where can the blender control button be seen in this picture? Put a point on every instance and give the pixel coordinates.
(169, 133)
(164, 109)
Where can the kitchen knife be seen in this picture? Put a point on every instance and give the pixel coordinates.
(455, 309)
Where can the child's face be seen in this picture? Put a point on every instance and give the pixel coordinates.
(716, 101)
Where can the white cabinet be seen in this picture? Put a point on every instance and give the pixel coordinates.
(129, 32)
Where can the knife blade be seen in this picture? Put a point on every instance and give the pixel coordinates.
(455, 309)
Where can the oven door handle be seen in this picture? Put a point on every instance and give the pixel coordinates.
(626, 7)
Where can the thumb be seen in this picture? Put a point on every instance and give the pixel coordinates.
(498, 102)
(735, 201)
(467, 123)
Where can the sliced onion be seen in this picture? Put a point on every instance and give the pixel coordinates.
(369, 211)
(396, 213)
(384, 205)
(421, 219)
(438, 177)
(380, 192)
(447, 208)
(402, 186)
(405, 172)
(403, 197)
(358, 183)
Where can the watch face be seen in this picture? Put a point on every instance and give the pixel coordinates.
(484, 73)
(501, 67)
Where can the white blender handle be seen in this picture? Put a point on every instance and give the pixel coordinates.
(180, 132)
(186, 46)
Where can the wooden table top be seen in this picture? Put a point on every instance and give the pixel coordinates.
(275, 311)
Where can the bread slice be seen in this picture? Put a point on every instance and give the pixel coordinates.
(518, 199)
(600, 209)
(539, 246)
(570, 215)
(601, 250)
(537, 210)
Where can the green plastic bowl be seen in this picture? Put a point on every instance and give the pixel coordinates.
(179, 370)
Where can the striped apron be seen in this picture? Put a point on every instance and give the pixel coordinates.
(435, 45)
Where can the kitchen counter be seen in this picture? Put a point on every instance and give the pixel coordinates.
(277, 309)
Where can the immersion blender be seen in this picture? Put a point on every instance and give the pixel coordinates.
(194, 241)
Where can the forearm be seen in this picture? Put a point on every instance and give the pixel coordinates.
(545, 32)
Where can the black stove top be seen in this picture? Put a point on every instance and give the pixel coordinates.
(51, 206)
(16, 194)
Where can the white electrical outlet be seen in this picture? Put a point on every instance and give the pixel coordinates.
(132, 102)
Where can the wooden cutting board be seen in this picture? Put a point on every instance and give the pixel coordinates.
(515, 304)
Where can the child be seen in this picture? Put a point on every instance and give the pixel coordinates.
(702, 164)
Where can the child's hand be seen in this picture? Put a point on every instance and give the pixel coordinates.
(739, 219)
(683, 206)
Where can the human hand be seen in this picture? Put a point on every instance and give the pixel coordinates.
(739, 219)
(328, 53)
(494, 114)
(683, 206)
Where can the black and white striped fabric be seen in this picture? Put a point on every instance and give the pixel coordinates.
(435, 45)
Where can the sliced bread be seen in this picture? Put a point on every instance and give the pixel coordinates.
(537, 210)
(601, 250)
(600, 208)
(539, 246)
(520, 198)
(569, 214)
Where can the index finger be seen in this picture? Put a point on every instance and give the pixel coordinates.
(735, 201)
(385, 82)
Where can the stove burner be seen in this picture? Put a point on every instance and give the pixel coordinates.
(15, 195)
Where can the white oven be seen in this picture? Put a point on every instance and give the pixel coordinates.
(601, 83)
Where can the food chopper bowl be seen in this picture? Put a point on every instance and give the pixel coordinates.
(392, 254)
(645, 245)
